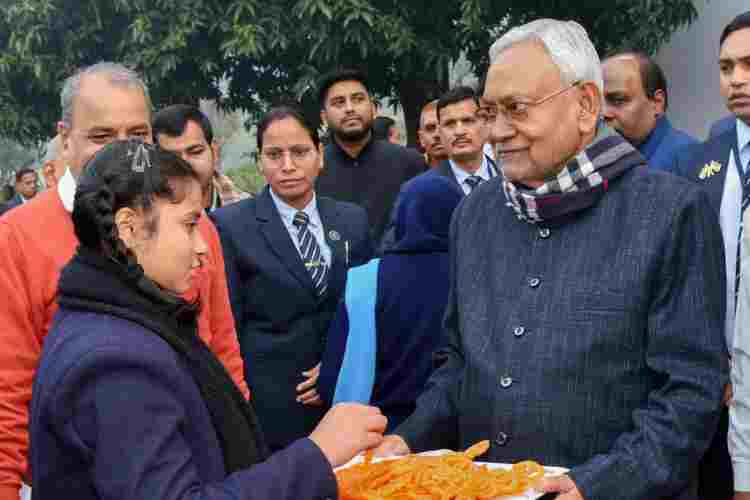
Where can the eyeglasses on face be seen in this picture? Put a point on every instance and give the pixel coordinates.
(298, 154)
(517, 110)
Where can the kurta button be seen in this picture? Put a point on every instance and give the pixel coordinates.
(534, 282)
(501, 439)
(544, 232)
(506, 382)
(519, 331)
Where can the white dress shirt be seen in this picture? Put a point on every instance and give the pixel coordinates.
(461, 175)
(729, 218)
(315, 226)
(739, 343)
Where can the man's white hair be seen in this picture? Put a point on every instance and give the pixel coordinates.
(116, 74)
(52, 152)
(567, 43)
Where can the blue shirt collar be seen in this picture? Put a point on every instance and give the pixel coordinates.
(648, 147)
(461, 175)
(287, 211)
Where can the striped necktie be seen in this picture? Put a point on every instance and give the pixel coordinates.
(311, 255)
(473, 181)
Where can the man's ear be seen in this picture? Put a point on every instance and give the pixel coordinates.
(590, 101)
(660, 102)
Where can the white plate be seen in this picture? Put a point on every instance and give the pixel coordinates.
(528, 495)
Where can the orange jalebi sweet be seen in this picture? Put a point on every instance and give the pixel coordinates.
(453, 476)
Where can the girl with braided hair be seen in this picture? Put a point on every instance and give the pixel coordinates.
(128, 401)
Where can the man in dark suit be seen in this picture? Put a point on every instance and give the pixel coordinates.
(25, 188)
(720, 166)
(464, 133)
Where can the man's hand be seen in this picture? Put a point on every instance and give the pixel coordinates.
(392, 446)
(307, 393)
(741, 495)
(563, 485)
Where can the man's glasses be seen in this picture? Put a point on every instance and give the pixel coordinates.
(518, 110)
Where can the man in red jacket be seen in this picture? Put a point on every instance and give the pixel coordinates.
(100, 104)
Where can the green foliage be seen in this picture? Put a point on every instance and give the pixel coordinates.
(270, 51)
(247, 178)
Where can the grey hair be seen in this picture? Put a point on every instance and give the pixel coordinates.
(52, 152)
(116, 74)
(566, 42)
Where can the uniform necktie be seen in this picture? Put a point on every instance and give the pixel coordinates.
(473, 181)
(311, 255)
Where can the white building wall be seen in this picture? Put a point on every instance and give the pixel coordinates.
(690, 62)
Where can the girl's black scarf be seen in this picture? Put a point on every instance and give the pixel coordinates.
(92, 282)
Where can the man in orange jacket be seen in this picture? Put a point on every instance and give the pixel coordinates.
(100, 104)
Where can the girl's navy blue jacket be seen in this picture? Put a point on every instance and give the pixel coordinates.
(118, 414)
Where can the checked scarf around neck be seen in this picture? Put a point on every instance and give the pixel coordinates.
(580, 183)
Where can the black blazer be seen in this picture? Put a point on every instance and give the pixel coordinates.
(691, 161)
(281, 322)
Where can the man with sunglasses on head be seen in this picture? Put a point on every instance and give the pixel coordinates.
(583, 325)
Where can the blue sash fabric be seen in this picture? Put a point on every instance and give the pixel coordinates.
(357, 375)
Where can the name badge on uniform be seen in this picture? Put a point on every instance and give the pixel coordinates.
(709, 170)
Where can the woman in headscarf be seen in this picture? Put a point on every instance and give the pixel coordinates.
(381, 344)
(128, 402)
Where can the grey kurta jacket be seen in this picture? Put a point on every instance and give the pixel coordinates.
(595, 344)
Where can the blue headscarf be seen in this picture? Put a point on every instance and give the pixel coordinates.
(424, 213)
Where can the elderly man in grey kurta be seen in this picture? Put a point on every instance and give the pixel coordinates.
(586, 308)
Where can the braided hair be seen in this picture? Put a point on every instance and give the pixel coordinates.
(125, 174)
